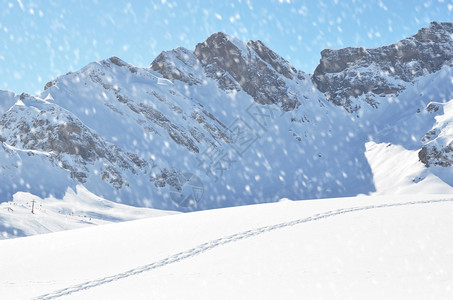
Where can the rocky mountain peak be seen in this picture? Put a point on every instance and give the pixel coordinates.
(219, 50)
(218, 47)
(276, 61)
(435, 32)
(178, 64)
(348, 73)
(252, 67)
(118, 61)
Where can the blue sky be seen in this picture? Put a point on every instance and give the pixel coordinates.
(40, 40)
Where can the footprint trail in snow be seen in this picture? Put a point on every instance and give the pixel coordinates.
(219, 242)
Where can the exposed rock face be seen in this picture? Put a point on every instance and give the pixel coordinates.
(224, 56)
(432, 156)
(350, 72)
(67, 141)
(438, 148)
(251, 67)
(179, 64)
(276, 61)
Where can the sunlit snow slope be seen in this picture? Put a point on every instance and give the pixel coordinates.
(27, 214)
(392, 247)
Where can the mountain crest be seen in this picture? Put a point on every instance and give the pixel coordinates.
(178, 64)
(281, 65)
(435, 32)
(238, 116)
(348, 73)
(253, 67)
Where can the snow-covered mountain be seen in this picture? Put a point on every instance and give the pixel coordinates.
(239, 117)
(345, 74)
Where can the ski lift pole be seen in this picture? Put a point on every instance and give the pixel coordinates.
(33, 206)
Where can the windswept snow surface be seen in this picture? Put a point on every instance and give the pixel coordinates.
(392, 247)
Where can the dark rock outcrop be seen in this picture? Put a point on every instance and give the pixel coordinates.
(434, 156)
(276, 61)
(438, 147)
(223, 56)
(178, 64)
(67, 141)
(350, 72)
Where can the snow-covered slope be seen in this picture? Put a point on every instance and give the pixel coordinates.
(130, 134)
(392, 247)
(27, 214)
(233, 123)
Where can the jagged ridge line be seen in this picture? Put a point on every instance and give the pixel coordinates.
(219, 242)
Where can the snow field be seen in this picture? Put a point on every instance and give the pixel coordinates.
(373, 247)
